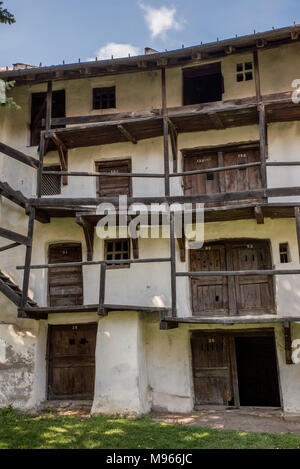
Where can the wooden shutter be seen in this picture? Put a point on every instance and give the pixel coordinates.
(254, 293)
(65, 283)
(114, 186)
(211, 369)
(209, 294)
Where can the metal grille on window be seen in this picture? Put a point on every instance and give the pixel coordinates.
(51, 184)
(115, 250)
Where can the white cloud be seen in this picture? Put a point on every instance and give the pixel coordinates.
(116, 50)
(160, 20)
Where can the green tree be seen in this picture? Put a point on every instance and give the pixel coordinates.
(5, 16)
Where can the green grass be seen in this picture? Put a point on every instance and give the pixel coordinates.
(19, 431)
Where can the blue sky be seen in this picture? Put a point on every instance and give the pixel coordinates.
(57, 30)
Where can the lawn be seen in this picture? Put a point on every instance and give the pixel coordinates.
(18, 431)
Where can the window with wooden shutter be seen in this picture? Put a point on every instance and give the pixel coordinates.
(113, 186)
(51, 184)
(65, 283)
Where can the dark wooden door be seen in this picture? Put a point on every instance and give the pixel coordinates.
(254, 293)
(71, 371)
(211, 369)
(209, 294)
(219, 295)
(201, 183)
(257, 371)
(236, 180)
(114, 186)
(65, 283)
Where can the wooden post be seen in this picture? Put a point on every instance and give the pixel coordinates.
(234, 372)
(262, 144)
(166, 132)
(41, 166)
(256, 76)
(101, 310)
(27, 263)
(49, 106)
(173, 266)
(288, 343)
(297, 217)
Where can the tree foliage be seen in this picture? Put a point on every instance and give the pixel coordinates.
(5, 16)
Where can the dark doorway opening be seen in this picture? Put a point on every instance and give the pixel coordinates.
(38, 112)
(257, 371)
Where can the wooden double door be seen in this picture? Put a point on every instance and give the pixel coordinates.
(236, 368)
(71, 361)
(219, 295)
(236, 180)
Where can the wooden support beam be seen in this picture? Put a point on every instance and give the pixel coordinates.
(165, 325)
(88, 230)
(174, 144)
(256, 76)
(14, 196)
(41, 165)
(288, 343)
(135, 248)
(259, 215)
(127, 134)
(166, 157)
(216, 120)
(63, 155)
(12, 236)
(10, 293)
(173, 266)
(9, 246)
(297, 217)
(26, 275)
(101, 308)
(18, 155)
(49, 105)
(240, 273)
(262, 144)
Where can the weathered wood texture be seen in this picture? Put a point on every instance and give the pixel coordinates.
(71, 361)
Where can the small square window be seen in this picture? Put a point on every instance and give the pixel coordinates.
(244, 71)
(104, 98)
(284, 253)
(116, 250)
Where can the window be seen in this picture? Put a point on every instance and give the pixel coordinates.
(51, 184)
(104, 98)
(38, 112)
(244, 71)
(115, 250)
(284, 253)
(202, 84)
(109, 186)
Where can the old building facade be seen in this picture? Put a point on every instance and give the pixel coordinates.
(135, 325)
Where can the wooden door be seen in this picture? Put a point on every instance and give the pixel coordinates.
(209, 294)
(254, 293)
(71, 370)
(236, 180)
(65, 283)
(201, 183)
(239, 180)
(114, 186)
(211, 369)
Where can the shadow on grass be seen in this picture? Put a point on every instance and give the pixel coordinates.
(19, 431)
